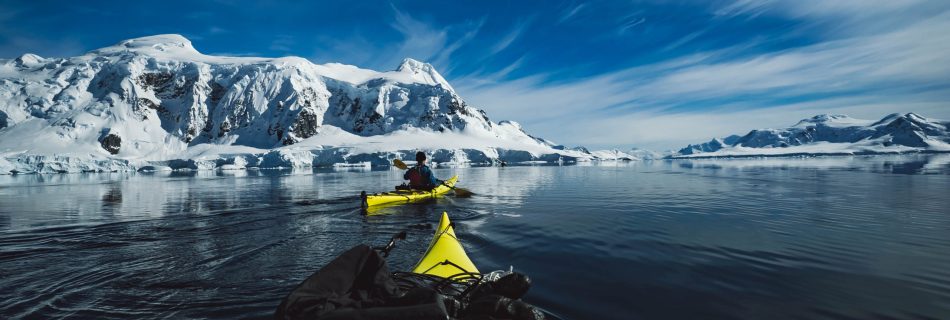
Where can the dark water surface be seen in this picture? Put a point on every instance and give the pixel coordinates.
(835, 238)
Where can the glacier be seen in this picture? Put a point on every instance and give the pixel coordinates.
(832, 135)
(157, 103)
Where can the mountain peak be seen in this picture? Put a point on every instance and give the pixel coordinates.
(413, 65)
(423, 72)
(832, 120)
(914, 116)
(166, 44)
(28, 59)
(910, 116)
(828, 117)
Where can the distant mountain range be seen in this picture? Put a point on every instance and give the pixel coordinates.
(832, 135)
(158, 102)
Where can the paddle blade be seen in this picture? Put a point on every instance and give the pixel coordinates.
(463, 193)
(399, 164)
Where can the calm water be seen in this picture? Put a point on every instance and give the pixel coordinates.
(837, 238)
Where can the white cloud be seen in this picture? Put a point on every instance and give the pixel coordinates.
(630, 24)
(510, 38)
(802, 8)
(282, 43)
(442, 61)
(903, 70)
(417, 39)
(571, 13)
(213, 30)
(421, 41)
(662, 131)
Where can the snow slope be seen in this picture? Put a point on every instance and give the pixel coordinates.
(833, 134)
(157, 101)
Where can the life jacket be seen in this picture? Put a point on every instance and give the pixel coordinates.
(416, 179)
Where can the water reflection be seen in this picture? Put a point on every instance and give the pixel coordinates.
(839, 237)
(897, 164)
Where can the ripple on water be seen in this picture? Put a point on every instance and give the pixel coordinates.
(848, 239)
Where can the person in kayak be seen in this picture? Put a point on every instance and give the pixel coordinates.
(420, 177)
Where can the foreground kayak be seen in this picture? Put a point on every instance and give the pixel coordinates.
(444, 285)
(445, 257)
(406, 196)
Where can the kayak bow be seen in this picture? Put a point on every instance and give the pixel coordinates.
(445, 257)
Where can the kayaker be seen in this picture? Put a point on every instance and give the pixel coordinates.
(420, 177)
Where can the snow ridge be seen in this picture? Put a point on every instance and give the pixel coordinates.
(157, 101)
(833, 134)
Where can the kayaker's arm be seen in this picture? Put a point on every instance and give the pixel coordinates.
(432, 180)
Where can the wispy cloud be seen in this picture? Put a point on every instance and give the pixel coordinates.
(421, 40)
(571, 12)
(213, 30)
(510, 38)
(416, 39)
(443, 58)
(630, 23)
(283, 43)
(699, 96)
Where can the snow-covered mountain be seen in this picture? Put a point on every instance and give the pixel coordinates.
(833, 134)
(644, 154)
(613, 155)
(157, 101)
(634, 154)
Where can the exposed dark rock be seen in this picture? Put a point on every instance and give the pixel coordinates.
(191, 131)
(484, 115)
(154, 80)
(304, 127)
(225, 128)
(217, 92)
(458, 107)
(356, 106)
(111, 143)
(3, 120)
(142, 106)
(65, 122)
(375, 117)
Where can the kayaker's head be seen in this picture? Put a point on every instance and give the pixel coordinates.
(421, 158)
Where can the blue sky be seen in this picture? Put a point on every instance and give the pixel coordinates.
(654, 74)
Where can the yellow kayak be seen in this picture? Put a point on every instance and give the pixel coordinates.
(406, 196)
(445, 257)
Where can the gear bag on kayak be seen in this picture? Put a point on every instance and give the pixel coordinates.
(358, 285)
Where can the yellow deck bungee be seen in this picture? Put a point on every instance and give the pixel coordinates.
(406, 196)
(445, 257)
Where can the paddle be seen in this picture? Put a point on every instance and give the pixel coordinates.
(461, 192)
(399, 164)
(384, 250)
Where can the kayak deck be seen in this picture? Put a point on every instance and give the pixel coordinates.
(406, 196)
(445, 257)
